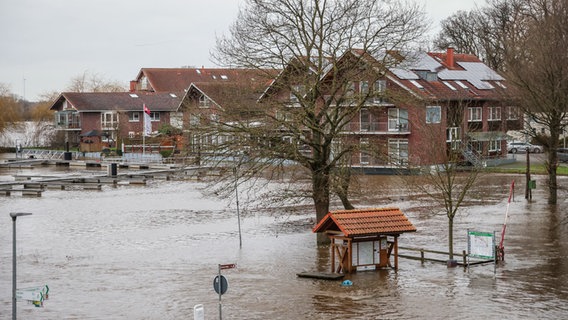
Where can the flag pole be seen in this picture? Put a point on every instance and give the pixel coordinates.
(143, 131)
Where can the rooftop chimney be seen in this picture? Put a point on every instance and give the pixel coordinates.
(132, 85)
(450, 57)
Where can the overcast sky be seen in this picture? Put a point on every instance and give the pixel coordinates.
(44, 44)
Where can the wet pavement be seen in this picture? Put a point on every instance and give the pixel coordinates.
(151, 252)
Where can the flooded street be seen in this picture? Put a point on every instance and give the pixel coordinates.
(151, 252)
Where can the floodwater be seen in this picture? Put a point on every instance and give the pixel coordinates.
(152, 252)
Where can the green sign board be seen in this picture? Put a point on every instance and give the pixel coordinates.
(481, 244)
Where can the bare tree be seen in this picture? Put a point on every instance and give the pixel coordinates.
(537, 67)
(481, 31)
(449, 182)
(311, 41)
(93, 82)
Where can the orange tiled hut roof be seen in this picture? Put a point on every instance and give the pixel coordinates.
(362, 222)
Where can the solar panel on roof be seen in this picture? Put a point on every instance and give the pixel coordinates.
(405, 74)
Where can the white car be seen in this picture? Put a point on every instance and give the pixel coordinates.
(514, 147)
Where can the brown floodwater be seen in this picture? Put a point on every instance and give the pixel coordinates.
(152, 252)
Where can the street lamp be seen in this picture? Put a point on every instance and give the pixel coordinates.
(15, 215)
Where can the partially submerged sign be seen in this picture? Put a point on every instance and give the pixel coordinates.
(481, 244)
(35, 295)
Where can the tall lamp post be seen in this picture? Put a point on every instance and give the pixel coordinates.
(15, 215)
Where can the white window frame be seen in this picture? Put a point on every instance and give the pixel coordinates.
(109, 119)
(494, 114)
(204, 102)
(365, 114)
(134, 116)
(397, 119)
(364, 157)
(433, 114)
(398, 151)
(494, 145)
(453, 134)
(512, 113)
(475, 114)
(364, 87)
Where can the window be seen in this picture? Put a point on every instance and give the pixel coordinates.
(350, 89)
(427, 75)
(155, 116)
(495, 145)
(109, 119)
(453, 137)
(474, 114)
(379, 91)
(364, 87)
(398, 151)
(364, 157)
(204, 102)
(494, 113)
(453, 134)
(131, 134)
(134, 116)
(397, 119)
(365, 120)
(380, 86)
(194, 120)
(433, 114)
(283, 116)
(512, 113)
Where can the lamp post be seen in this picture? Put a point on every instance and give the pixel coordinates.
(15, 215)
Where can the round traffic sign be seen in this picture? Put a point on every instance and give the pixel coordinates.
(222, 285)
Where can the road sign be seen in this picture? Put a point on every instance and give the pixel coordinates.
(220, 286)
(227, 266)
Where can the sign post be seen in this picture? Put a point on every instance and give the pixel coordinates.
(220, 284)
(481, 245)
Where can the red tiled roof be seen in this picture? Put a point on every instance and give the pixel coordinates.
(118, 101)
(179, 79)
(360, 222)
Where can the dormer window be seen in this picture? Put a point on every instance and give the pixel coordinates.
(427, 75)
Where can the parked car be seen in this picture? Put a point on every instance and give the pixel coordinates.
(514, 147)
(562, 154)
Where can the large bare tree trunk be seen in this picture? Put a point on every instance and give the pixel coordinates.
(320, 185)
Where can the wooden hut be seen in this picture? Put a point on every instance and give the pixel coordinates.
(364, 239)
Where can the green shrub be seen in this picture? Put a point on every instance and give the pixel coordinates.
(166, 153)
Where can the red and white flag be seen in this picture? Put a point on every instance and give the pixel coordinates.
(147, 121)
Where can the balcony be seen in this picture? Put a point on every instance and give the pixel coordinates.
(67, 120)
(377, 128)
